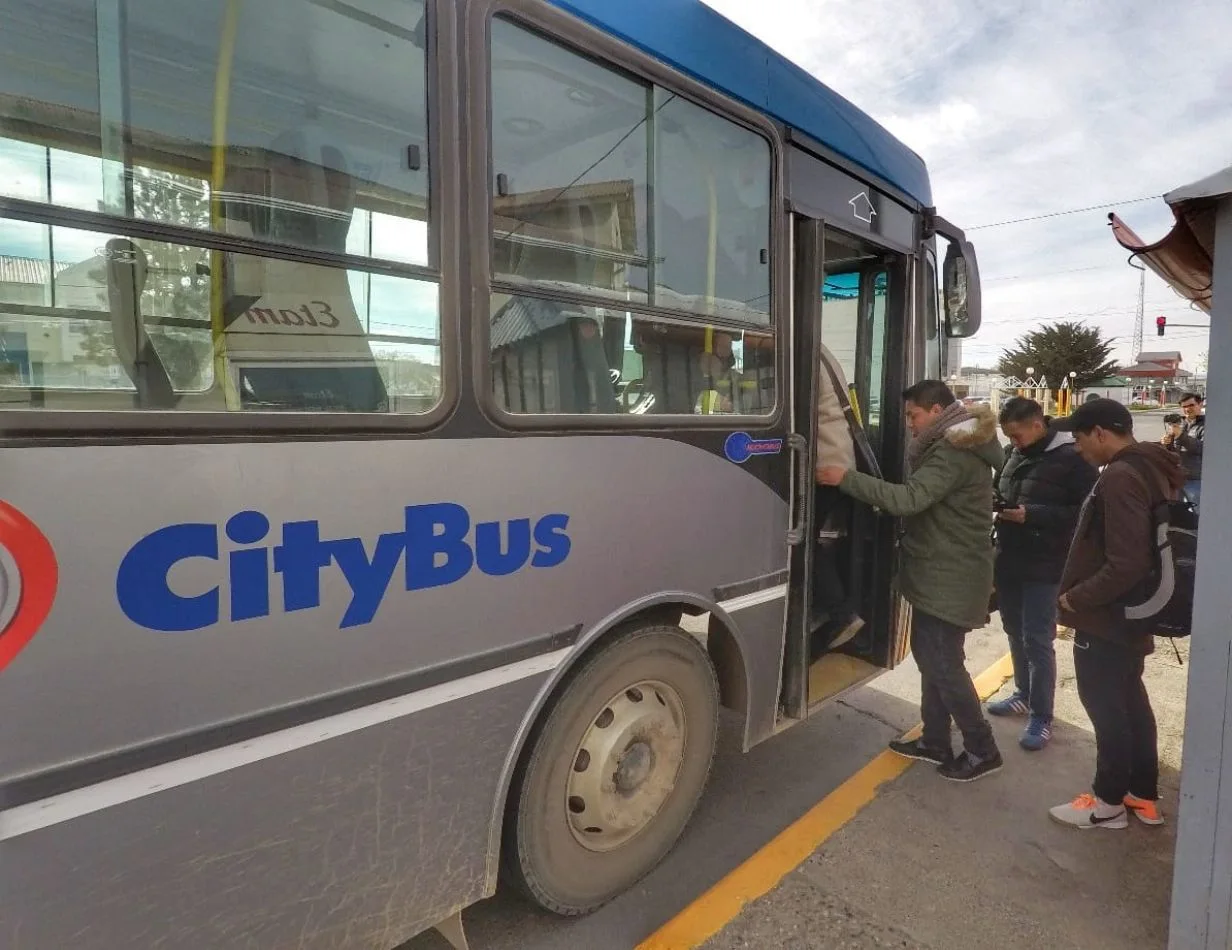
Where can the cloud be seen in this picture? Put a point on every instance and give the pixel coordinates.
(1027, 108)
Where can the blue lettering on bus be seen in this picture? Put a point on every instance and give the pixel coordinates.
(438, 545)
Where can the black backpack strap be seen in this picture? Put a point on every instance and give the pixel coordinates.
(858, 435)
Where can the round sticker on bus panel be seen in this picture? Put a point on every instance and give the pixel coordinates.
(740, 447)
(28, 578)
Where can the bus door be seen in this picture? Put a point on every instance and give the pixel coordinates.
(852, 298)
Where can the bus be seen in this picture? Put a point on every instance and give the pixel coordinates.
(407, 447)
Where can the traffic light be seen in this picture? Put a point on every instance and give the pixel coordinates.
(1160, 323)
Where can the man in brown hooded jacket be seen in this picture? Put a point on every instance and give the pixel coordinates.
(1112, 553)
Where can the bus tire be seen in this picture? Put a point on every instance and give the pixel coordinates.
(613, 771)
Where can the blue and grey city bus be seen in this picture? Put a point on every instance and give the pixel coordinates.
(407, 447)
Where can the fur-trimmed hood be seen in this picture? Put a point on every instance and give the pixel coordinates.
(975, 432)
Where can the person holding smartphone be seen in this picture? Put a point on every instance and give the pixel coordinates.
(1186, 440)
(1039, 493)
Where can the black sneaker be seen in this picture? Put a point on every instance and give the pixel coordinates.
(914, 749)
(965, 768)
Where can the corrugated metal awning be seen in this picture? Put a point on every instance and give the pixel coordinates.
(1184, 257)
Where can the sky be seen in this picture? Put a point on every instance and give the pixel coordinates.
(1028, 107)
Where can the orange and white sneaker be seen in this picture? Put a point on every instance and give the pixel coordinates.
(1087, 811)
(1145, 810)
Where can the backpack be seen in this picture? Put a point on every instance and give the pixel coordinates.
(1162, 603)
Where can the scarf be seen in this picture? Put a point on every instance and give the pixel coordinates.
(952, 415)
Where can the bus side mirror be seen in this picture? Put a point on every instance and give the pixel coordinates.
(960, 277)
(961, 283)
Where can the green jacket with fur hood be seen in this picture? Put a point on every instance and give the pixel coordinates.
(946, 507)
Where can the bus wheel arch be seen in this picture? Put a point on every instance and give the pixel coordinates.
(729, 665)
(615, 763)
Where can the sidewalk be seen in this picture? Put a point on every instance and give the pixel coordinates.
(931, 865)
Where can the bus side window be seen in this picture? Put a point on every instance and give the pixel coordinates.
(549, 357)
(579, 208)
(313, 157)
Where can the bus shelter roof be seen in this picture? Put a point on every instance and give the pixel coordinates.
(1184, 257)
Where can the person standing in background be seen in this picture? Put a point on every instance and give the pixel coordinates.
(1039, 494)
(1111, 555)
(1186, 440)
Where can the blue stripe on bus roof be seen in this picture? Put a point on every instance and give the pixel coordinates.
(697, 40)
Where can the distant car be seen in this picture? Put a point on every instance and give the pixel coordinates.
(1145, 403)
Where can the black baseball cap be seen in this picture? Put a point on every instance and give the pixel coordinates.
(1102, 413)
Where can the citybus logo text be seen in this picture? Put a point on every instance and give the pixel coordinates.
(28, 578)
(437, 546)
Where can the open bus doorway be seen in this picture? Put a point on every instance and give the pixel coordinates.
(856, 290)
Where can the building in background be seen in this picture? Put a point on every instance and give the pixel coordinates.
(1158, 375)
(1120, 388)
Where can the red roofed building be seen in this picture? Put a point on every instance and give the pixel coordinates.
(1156, 366)
(1163, 369)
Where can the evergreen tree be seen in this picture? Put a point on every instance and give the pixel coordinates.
(1056, 351)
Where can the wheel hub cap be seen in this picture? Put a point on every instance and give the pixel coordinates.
(626, 765)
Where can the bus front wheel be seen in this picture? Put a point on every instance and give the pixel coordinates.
(613, 771)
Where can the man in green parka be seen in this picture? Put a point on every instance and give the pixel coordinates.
(946, 569)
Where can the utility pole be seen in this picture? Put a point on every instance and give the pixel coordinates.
(1140, 318)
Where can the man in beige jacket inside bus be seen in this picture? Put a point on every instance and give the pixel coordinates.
(835, 620)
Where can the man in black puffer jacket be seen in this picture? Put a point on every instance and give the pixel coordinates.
(1039, 494)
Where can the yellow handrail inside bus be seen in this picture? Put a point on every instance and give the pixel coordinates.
(218, 179)
(855, 404)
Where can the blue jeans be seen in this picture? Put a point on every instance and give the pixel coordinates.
(1029, 615)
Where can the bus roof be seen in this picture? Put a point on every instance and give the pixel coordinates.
(697, 40)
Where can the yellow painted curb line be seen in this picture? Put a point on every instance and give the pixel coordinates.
(757, 876)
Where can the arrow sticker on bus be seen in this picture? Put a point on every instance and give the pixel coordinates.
(862, 207)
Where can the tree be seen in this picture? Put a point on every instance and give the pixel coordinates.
(1058, 350)
(96, 344)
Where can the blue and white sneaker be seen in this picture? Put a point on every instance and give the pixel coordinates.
(1015, 705)
(1036, 735)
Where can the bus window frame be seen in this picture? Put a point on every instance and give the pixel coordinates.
(930, 293)
(445, 270)
(577, 36)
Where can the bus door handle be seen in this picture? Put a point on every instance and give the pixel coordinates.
(798, 445)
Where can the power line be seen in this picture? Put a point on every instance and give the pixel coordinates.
(1060, 214)
(1053, 273)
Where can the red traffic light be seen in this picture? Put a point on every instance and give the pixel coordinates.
(1160, 323)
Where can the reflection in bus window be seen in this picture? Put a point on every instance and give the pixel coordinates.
(551, 357)
(89, 321)
(604, 184)
(569, 147)
(308, 137)
(712, 213)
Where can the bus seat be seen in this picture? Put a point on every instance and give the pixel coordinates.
(300, 193)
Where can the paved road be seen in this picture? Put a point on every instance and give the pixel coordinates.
(930, 866)
(749, 800)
